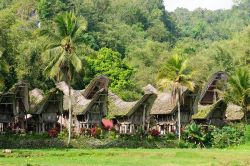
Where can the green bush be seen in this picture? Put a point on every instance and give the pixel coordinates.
(63, 134)
(33, 141)
(197, 135)
(185, 144)
(247, 133)
(228, 136)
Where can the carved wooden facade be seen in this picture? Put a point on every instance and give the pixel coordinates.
(164, 111)
(131, 116)
(211, 109)
(89, 105)
(13, 107)
(46, 113)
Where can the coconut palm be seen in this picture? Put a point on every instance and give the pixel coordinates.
(176, 75)
(62, 51)
(238, 91)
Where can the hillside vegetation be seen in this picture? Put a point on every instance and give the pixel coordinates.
(126, 40)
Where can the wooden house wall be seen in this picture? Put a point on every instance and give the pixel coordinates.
(47, 115)
(93, 116)
(164, 123)
(6, 113)
(140, 118)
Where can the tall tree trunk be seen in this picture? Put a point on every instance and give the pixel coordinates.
(179, 117)
(179, 121)
(70, 113)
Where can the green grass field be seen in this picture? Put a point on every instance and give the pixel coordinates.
(129, 157)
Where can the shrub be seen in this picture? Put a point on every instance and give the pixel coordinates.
(154, 133)
(108, 134)
(141, 133)
(170, 136)
(33, 141)
(228, 136)
(185, 144)
(247, 133)
(53, 132)
(96, 132)
(198, 135)
(63, 134)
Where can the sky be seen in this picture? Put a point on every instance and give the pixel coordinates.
(171, 5)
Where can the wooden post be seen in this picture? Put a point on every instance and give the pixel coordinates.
(43, 127)
(143, 116)
(26, 121)
(164, 129)
(78, 126)
(61, 122)
(130, 128)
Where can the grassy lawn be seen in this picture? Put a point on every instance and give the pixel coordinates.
(129, 157)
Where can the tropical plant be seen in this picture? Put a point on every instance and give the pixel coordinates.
(228, 136)
(238, 91)
(62, 51)
(176, 75)
(198, 135)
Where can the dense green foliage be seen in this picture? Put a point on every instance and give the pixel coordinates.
(30, 141)
(210, 136)
(110, 63)
(197, 135)
(140, 34)
(228, 136)
(193, 136)
(239, 89)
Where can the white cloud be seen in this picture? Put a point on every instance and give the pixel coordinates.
(171, 5)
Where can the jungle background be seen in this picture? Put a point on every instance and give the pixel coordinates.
(127, 40)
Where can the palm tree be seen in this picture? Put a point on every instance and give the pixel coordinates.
(238, 91)
(4, 68)
(176, 75)
(62, 52)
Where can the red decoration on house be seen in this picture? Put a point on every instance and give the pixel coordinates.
(107, 124)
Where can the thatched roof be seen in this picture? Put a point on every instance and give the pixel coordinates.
(98, 83)
(165, 102)
(149, 89)
(212, 84)
(81, 102)
(118, 107)
(234, 112)
(205, 111)
(36, 97)
(39, 102)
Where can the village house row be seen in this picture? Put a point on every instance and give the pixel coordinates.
(21, 109)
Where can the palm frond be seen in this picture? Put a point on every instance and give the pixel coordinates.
(164, 84)
(61, 25)
(177, 71)
(52, 36)
(81, 28)
(238, 87)
(54, 58)
(76, 62)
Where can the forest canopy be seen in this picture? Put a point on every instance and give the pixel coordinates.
(127, 40)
